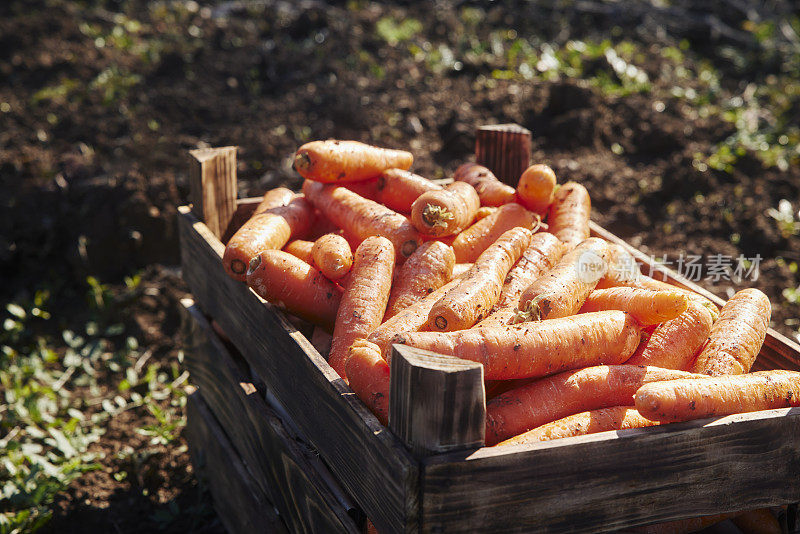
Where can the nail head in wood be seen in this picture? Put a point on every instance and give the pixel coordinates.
(212, 186)
(505, 149)
(437, 403)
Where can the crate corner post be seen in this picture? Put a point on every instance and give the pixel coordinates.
(213, 186)
(504, 149)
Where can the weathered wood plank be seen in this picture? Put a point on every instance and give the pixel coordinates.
(289, 475)
(240, 504)
(212, 184)
(370, 462)
(612, 480)
(505, 149)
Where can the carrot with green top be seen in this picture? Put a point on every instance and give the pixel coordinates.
(569, 213)
(426, 270)
(491, 191)
(368, 375)
(347, 161)
(332, 256)
(471, 243)
(647, 307)
(445, 212)
(536, 188)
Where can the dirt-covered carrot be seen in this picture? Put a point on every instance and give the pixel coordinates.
(537, 349)
(569, 214)
(564, 288)
(300, 248)
(271, 229)
(332, 256)
(347, 161)
(426, 270)
(368, 375)
(470, 243)
(280, 196)
(647, 307)
(398, 189)
(674, 344)
(580, 424)
(714, 396)
(757, 522)
(737, 336)
(491, 191)
(473, 298)
(290, 282)
(445, 212)
(554, 397)
(361, 218)
(364, 299)
(536, 188)
(542, 254)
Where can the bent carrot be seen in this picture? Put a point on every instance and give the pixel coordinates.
(737, 336)
(473, 298)
(289, 282)
(274, 198)
(332, 256)
(581, 424)
(364, 299)
(368, 374)
(346, 161)
(715, 396)
(445, 212)
(537, 349)
(426, 270)
(569, 214)
(271, 229)
(470, 243)
(361, 218)
(536, 188)
(554, 397)
(300, 248)
(564, 288)
(647, 307)
(758, 522)
(491, 191)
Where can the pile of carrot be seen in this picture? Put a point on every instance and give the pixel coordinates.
(573, 338)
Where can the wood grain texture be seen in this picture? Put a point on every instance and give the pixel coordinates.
(437, 403)
(212, 186)
(239, 502)
(617, 479)
(286, 472)
(370, 462)
(505, 149)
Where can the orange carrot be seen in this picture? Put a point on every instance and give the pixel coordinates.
(459, 269)
(470, 243)
(445, 212)
(364, 299)
(347, 161)
(675, 343)
(332, 256)
(322, 226)
(537, 349)
(564, 288)
(647, 307)
(737, 336)
(360, 218)
(368, 374)
(274, 198)
(715, 396)
(491, 191)
(483, 211)
(536, 188)
(554, 397)
(426, 270)
(541, 255)
(271, 229)
(287, 281)
(622, 268)
(398, 189)
(569, 214)
(757, 522)
(301, 249)
(580, 424)
(473, 298)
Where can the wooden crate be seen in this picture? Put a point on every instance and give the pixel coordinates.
(595, 483)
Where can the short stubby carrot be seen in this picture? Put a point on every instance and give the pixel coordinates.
(716, 396)
(542, 254)
(280, 196)
(675, 343)
(364, 299)
(581, 424)
(537, 349)
(293, 284)
(470, 243)
(361, 218)
(563, 289)
(445, 212)
(536, 188)
(271, 229)
(569, 214)
(426, 270)
(737, 336)
(648, 307)
(332, 256)
(491, 191)
(473, 298)
(368, 375)
(554, 397)
(301, 249)
(347, 161)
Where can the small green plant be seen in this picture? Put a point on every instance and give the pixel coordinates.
(792, 295)
(394, 32)
(788, 222)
